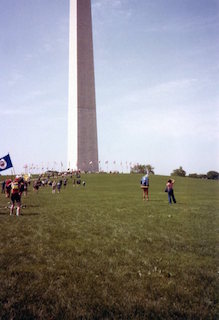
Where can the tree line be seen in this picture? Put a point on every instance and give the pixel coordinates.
(180, 172)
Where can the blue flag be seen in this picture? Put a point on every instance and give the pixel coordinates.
(5, 163)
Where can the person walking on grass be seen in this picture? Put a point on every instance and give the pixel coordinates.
(59, 185)
(8, 188)
(145, 186)
(65, 183)
(25, 188)
(53, 186)
(169, 190)
(15, 196)
(3, 186)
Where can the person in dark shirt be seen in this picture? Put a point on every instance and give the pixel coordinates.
(3, 186)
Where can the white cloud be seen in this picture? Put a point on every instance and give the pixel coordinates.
(102, 3)
(176, 25)
(163, 110)
(14, 78)
(14, 111)
(116, 6)
(173, 87)
(160, 94)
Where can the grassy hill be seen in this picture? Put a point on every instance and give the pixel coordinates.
(100, 252)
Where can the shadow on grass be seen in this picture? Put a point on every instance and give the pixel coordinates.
(4, 213)
(166, 203)
(157, 202)
(31, 206)
(22, 214)
(29, 214)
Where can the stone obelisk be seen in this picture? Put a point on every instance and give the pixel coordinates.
(82, 124)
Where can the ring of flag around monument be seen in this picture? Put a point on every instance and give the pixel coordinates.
(5, 163)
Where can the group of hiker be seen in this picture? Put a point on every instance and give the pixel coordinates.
(14, 188)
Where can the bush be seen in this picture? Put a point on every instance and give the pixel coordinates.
(197, 176)
(142, 168)
(179, 172)
(193, 175)
(213, 175)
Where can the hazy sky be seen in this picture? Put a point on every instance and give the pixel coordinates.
(157, 82)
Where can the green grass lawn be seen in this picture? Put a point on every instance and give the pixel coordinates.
(100, 252)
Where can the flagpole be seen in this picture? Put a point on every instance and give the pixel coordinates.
(13, 167)
(14, 171)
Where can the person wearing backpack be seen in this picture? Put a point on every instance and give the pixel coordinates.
(145, 186)
(15, 196)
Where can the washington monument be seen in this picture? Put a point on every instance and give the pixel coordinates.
(82, 125)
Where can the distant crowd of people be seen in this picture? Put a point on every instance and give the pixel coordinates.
(15, 188)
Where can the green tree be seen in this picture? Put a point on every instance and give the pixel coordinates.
(149, 168)
(214, 175)
(179, 172)
(197, 176)
(193, 175)
(202, 176)
(142, 168)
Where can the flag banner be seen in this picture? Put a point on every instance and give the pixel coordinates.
(5, 163)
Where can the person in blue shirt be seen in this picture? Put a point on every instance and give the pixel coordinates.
(145, 186)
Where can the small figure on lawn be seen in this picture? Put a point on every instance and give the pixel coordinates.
(145, 186)
(54, 186)
(8, 188)
(169, 190)
(65, 183)
(15, 196)
(59, 185)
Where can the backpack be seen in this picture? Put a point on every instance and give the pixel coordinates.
(15, 186)
(145, 181)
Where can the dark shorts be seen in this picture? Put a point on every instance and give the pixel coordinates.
(15, 197)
